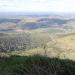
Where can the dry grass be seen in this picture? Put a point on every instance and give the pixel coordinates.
(68, 41)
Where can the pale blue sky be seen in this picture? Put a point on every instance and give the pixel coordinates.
(37, 5)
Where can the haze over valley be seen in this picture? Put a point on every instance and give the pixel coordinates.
(32, 32)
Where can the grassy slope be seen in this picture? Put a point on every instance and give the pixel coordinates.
(36, 65)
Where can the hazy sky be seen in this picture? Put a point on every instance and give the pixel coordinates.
(37, 5)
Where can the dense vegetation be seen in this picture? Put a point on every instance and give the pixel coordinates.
(21, 41)
(36, 65)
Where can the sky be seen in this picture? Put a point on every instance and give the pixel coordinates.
(37, 6)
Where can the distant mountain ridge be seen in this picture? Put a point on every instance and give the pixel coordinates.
(32, 22)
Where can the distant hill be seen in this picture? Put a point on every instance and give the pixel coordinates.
(43, 23)
(33, 22)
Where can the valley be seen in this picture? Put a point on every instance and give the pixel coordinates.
(36, 35)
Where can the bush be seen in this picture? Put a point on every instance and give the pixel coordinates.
(36, 65)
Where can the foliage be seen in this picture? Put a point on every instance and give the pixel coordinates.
(36, 65)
